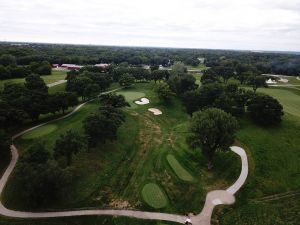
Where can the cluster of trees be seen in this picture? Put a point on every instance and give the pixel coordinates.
(103, 125)
(41, 178)
(87, 84)
(18, 102)
(44, 176)
(9, 68)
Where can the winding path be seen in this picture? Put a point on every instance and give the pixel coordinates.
(213, 198)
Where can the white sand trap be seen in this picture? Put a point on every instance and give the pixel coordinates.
(156, 112)
(283, 80)
(298, 78)
(143, 101)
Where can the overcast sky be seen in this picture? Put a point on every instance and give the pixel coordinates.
(223, 24)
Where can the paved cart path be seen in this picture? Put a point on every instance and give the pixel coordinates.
(213, 198)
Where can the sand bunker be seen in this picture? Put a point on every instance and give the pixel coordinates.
(298, 78)
(156, 112)
(143, 101)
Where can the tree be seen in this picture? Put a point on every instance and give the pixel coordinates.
(103, 126)
(36, 83)
(256, 82)
(91, 91)
(113, 100)
(226, 72)
(265, 110)
(212, 130)
(40, 177)
(4, 73)
(7, 60)
(178, 69)
(209, 76)
(61, 101)
(4, 144)
(164, 92)
(126, 80)
(78, 85)
(69, 144)
(158, 75)
(182, 84)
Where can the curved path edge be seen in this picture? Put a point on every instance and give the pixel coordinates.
(213, 198)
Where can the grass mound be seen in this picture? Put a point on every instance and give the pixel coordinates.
(154, 196)
(181, 172)
(39, 132)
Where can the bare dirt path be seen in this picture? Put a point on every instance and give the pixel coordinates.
(213, 198)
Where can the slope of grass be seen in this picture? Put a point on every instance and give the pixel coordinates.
(289, 98)
(154, 196)
(181, 172)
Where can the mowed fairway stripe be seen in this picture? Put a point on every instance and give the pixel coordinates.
(154, 196)
(181, 172)
(289, 100)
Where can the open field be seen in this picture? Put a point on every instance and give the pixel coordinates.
(56, 76)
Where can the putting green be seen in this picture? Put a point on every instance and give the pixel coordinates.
(131, 96)
(39, 132)
(181, 172)
(154, 196)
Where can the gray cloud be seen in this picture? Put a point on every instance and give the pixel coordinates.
(247, 24)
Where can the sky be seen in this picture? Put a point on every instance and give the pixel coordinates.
(213, 24)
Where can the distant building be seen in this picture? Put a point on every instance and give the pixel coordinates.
(102, 65)
(71, 67)
(55, 65)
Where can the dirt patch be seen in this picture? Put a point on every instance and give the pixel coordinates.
(119, 204)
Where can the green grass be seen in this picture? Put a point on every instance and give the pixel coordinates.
(118, 170)
(39, 132)
(289, 98)
(56, 76)
(154, 196)
(131, 96)
(181, 172)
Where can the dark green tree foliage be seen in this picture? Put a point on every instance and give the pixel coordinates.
(182, 84)
(159, 75)
(7, 60)
(228, 97)
(178, 69)
(78, 85)
(209, 76)
(36, 83)
(4, 73)
(256, 82)
(41, 68)
(103, 125)
(113, 100)
(40, 178)
(126, 80)
(61, 101)
(226, 72)
(4, 144)
(164, 93)
(265, 110)
(212, 130)
(67, 145)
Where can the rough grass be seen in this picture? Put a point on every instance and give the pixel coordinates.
(154, 196)
(39, 132)
(181, 172)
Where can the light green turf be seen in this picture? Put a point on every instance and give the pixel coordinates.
(178, 169)
(154, 196)
(131, 96)
(39, 132)
(56, 76)
(289, 98)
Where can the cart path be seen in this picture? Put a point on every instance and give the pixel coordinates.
(213, 198)
(57, 83)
